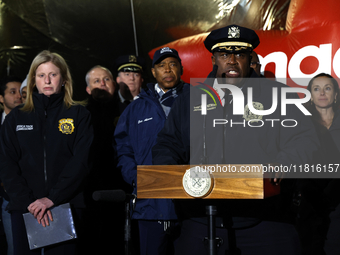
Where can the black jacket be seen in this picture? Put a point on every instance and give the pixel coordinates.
(104, 175)
(2, 191)
(44, 153)
(187, 132)
(321, 195)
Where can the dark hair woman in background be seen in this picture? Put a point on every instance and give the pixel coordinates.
(319, 211)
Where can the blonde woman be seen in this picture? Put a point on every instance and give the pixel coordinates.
(44, 149)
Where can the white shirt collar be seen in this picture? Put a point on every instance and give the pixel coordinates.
(3, 116)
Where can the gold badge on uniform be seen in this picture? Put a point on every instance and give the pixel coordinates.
(132, 58)
(66, 126)
(249, 116)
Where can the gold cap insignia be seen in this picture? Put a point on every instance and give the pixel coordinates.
(234, 32)
(132, 58)
(66, 126)
(249, 116)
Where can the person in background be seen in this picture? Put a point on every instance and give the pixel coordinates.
(103, 106)
(129, 79)
(44, 147)
(99, 77)
(318, 221)
(23, 90)
(136, 134)
(9, 98)
(255, 63)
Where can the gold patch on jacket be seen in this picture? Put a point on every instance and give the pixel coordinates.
(249, 116)
(66, 126)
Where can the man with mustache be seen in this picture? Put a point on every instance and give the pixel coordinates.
(135, 135)
(243, 226)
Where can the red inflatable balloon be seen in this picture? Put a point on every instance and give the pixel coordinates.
(309, 45)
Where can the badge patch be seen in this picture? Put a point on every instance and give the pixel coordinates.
(66, 126)
(165, 49)
(24, 127)
(249, 116)
(145, 120)
(197, 184)
(234, 32)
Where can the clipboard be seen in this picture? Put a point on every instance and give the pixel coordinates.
(61, 229)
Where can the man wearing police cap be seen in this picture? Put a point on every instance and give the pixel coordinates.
(188, 137)
(231, 51)
(129, 79)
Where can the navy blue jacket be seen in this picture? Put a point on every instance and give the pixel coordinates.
(135, 136)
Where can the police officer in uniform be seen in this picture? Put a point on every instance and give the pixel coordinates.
(129, 79)
(244, 226)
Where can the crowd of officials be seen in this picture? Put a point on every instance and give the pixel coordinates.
(54, 150)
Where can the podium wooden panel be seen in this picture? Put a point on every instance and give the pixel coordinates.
(165, 181)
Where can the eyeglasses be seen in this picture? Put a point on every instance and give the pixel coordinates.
(255, 63)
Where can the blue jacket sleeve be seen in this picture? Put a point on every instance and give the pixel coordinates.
(125, 153)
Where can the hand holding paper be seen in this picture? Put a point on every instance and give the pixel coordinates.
(39, 209)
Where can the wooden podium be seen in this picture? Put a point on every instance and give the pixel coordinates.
(166, 181)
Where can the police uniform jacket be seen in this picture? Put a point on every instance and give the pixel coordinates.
(44, 152)
(135, 136)
(189, 137)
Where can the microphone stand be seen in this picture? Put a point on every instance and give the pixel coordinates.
(119, 196)
(127, 230)
(127, 227)
(212, 241)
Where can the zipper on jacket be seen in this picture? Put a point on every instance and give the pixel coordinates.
(45, 165)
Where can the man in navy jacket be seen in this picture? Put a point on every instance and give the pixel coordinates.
(135, 136)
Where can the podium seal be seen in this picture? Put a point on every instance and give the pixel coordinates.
(197, 182)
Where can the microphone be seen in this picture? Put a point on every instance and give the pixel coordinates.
(112, 195)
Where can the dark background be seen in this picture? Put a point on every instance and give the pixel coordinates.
(88, 32)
